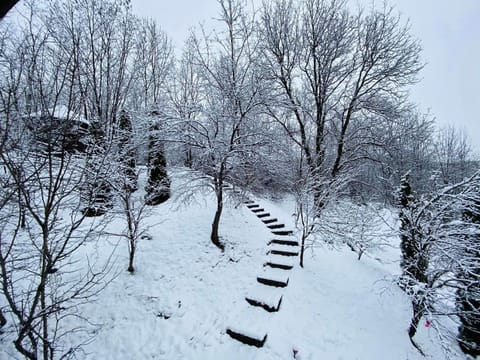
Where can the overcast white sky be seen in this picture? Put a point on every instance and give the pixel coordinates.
(449, 31)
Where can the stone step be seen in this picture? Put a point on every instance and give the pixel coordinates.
(276, 226)
(284, 242)
(263, 215)
(273, 277)
(278, 266)
(283, 252)
(282, 232)
(269, 221)
(249, 325)
(251, 206)
(257, 210)
(281, 247)
(281, 262)
(266, 297)
(249, 202)
(271, 282)
(241, 336)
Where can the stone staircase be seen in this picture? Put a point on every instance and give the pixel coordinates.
(265, 298)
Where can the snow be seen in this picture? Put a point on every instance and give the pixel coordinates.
(284, 248)
(63, 112)
(282, 260)
(185, 293)
(250, 321)
(277, 275)
(267, 295)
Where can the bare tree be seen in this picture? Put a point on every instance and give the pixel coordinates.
(312, 227)
(334, 73)
(153, 57)
(406, 146)
(123, 180)
(44, 171)
(99, 36)
(225, 132)
(453, 155)
(185, 97)
(36, 264)
(331, 70)
(133, 211)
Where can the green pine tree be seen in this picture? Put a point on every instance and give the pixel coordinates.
(158, 185)
(414, 261)
(97, 190)
(468, 295)
(127, 152)
(413, 264)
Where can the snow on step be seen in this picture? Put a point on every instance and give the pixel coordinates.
(258, 210)
(249, 325)
(281, 262)
(284, 238)
(263, 215)
(276, 226)
(273, 277)
(285, 250)
(269, 221)
(267, 297)
(282, 232)
(289, 242)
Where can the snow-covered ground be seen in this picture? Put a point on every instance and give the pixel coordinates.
(185, 293)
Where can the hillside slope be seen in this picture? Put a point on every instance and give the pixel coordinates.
(185, 293)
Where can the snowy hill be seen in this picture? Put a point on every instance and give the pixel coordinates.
(185, 293)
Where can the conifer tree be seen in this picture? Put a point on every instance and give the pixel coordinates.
(414, 262)
(126, 150)
(468, 293)
(3, 320)
(97, 190)
(158, 185)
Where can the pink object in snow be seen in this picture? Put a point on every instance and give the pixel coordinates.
(427, 323)
(295, 351)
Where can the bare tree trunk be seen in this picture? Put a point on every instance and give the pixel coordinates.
(3, 320)
(45, 342)
(216, 220)
(417, 315)
(21, 213)
(31, 355)
(418, 310)
(131, 255)
(302, 251)
(318, 201)
(42, 287)
(131, 232)
(360, 253)
(188, 157)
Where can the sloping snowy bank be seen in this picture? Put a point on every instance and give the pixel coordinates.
(185, 292)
